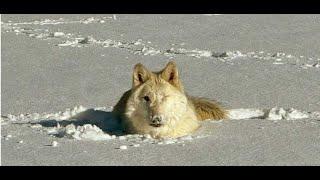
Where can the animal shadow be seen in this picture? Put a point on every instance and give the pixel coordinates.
(102, 119)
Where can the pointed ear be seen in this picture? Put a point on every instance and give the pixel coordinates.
(140, 75)
(170, 74)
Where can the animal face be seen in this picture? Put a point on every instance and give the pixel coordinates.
(157, 100)
(159, 104)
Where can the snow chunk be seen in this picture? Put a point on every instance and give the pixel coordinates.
(169, 142)
(88, 20)
(57, 34)
(70, 129)
(36, 126)
(123, 147)
(87, 132)
(9, 136)
(122, 137)
(54, 144)
(150, 51)
(315, 115)
(290, 114)
(54, 131)
(275, 114)
(69, 43)
(234, 54)
(295, 114)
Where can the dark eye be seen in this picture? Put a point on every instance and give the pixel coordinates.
(146, 98)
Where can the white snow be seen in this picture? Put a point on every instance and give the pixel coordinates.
(315, 115)
(170, 141)
(68, 113)
(9, 136)
(123, 147)
(234, 54)
(53, 131)
(70, 129)
(147, 136)
(289, 114)
(150, 51)
(122, 138)
(69, 43)
(57, 34)
(275, 114)
(188, 137)
(245, 113)
(88, 20)
(314, 65)
(295, 114)
(36, 126)
(54, 144)
(136, 145)
(269, 114)
(194, 52)
(87, 132)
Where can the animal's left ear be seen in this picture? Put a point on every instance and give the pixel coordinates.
(170, 74)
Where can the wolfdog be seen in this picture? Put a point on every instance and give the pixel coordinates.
(158, 105)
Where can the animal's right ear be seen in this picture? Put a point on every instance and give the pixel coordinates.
(140, 75)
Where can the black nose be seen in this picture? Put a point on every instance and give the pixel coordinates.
(156, 119)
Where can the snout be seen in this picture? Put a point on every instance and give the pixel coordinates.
(157, 121)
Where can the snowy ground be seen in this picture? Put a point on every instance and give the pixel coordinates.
(61, 75)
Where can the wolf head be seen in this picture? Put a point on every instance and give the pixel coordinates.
(157, 101)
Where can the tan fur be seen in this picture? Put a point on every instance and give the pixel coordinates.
(166, 98)
(208, 109)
